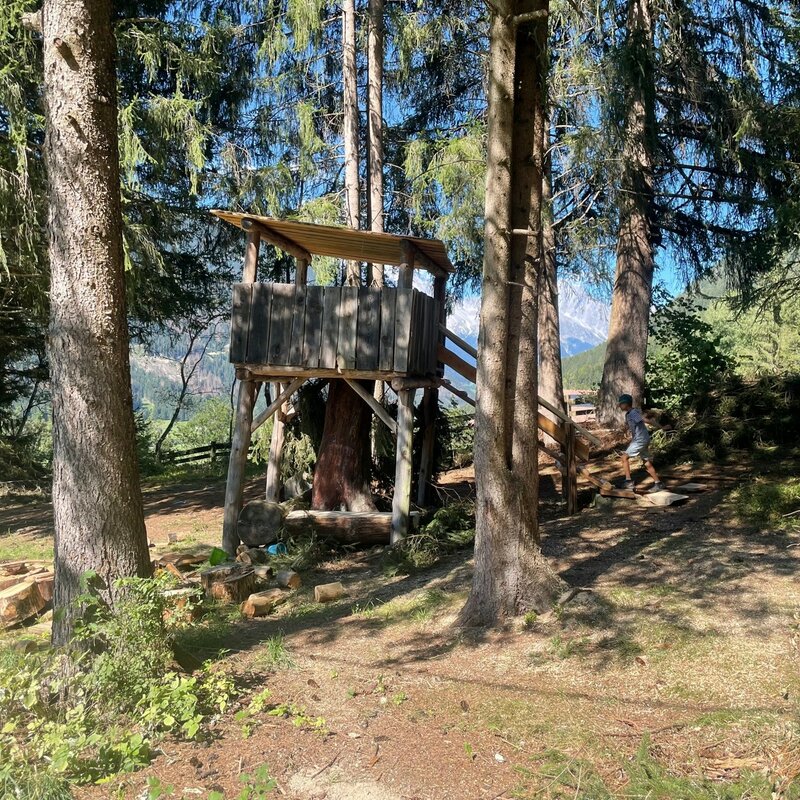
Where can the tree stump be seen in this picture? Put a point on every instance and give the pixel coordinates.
(234, 589)
(288, 579)
(20, 602)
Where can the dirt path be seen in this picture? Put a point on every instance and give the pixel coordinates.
(675, 676)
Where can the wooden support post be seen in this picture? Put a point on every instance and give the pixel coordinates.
(273, 485)
(380, 412)
(276, 404)
(301, 271)
(430, 405)
(570, 476)
(240, 443)
(405, 278)
(401, 502)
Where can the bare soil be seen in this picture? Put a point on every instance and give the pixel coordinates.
(673, 674)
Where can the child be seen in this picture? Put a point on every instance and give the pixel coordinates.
(639, 446)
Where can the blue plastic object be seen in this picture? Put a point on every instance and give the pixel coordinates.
(277, 549)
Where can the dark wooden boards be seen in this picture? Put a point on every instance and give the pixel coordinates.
(344, 328)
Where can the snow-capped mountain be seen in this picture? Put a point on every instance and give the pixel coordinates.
(584, 319)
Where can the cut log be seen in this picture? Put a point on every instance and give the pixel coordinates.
(21, 602)
(234, 589)
(260, 523)
(363, 527)
(288, 579)
(327, 592)
(262, 572)
(46, 582)
(252, 556)
(185, 559)
(260, 604)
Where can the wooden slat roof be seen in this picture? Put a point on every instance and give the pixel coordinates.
(346, 243)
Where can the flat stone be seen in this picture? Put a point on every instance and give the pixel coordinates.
(692, 488)
(664, 498)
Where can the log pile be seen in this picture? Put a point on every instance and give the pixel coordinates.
(26, 590)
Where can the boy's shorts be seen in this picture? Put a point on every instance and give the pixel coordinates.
(639, 450)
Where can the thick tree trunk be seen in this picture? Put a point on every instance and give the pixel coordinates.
(626, 351)
(97, 502)
(551, 385)
(511, 575)
(350, 132)
(341, 476)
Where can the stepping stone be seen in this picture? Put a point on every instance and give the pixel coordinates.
(692, 488)
(664, 498)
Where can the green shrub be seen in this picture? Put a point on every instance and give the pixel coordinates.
(95, 710)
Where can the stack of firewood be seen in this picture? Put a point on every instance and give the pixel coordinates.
(26, 590)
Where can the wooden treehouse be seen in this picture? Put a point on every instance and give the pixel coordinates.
(286, 333)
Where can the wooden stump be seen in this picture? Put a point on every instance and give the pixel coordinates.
(327, 592)
(260, 604)
(21, 602)
(234, 589)
(288, 579)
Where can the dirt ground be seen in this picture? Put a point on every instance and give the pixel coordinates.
(673, 674)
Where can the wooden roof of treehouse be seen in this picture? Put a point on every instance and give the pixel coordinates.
(306, 239)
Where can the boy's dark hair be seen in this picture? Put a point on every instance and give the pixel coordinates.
(625, 398)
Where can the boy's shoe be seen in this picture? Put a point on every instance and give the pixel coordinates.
(656, 487)
(629, 485)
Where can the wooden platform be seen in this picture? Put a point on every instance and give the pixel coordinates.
(282, 329)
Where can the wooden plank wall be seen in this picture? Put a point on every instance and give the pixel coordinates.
(313, 327)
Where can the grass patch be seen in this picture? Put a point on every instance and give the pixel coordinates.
(16, 547)
(557, 775)
(765, 501)
(420, 608)
(274, 655)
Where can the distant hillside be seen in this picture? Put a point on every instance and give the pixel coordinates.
(584, 370)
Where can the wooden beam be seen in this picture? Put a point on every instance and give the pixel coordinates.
(276, 404)
(570, 479)
(277, 239)
(250, 268)
(430, 407)
(380, 411)
(427, 263)
(561, 415)
(458, 364)
(458, 393)
(401, 502)
(457, 340)
(405, 278)
(272, 486)
(398, 384)
(301, 271)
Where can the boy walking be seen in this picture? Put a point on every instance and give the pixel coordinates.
(639, 446)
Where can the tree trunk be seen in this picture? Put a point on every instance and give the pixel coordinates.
(350, 133)
(97, 502)
(375, 128)
(626, 351)
(511, 575)
(341, 476)
(551, 385)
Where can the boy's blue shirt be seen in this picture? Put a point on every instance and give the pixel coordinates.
(635, 423)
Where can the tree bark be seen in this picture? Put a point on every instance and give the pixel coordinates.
(97, 502)
(375, 128)
(341, 476)
(626, 351)
(551, 385)
(511, 575)
(350, 133)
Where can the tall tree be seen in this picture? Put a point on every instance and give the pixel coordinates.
(626, 350)
(352, 202)
(97, 502)
(511, 575)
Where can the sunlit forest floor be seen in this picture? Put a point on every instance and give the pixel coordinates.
(674, 675)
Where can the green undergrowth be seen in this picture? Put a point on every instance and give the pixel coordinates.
(556, 775)
(450, 529)
(767, 501)
(97, 708)
(15, 548)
